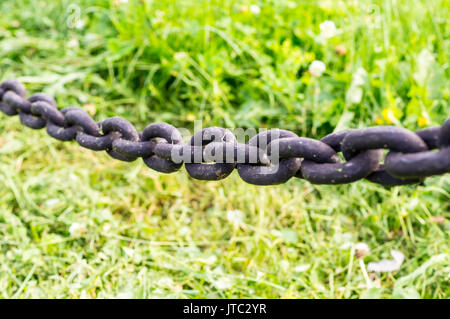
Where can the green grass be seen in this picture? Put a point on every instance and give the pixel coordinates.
(142, 234)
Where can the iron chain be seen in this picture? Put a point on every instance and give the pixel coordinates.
(269, 158)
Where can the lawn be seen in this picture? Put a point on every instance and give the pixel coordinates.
(75, 223)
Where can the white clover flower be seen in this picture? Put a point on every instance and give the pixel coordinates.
(345, 240)
(218, 270)
(291, 4)
(180, 56)
(159, 17)
(79, 24)
(354, 94)
(255, 9)
(166, 282)
(184, 231)
(75, 286)
(128, 251)
(260, 275)
(284, 265)
(361, 249)
(388, 265)
(210, 260)
(223, 283)
(359, 77)
(425, 61)
(77, 229)
(132, 254)
(52, 202)
(30, 254)
(316, 68)
(327, 29)
(302, 267)
(159, 14)
(235, 217)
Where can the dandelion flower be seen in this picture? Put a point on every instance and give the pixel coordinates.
(379, 120)
(422, 121)
(316, 68)
(327, 29)
(388, 115)
(388, 265)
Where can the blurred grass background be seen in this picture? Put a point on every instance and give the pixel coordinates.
(75, 224)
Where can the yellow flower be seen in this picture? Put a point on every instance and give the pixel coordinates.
(388, 115)
(379, 120)
(422, 121)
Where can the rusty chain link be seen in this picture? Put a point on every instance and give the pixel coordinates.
(269, 158)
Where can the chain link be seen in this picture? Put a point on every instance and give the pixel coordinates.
(269, 158)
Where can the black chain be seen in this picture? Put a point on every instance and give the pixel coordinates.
(271, 157)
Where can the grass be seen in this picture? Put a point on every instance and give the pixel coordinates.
(76, 224)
